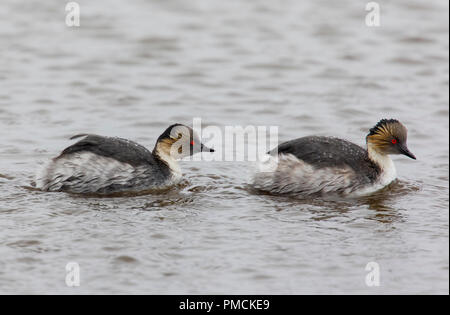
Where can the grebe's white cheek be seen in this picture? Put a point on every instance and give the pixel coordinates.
(180, 149)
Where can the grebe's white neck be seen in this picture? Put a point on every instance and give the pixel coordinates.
(384, 161)
(162, 151)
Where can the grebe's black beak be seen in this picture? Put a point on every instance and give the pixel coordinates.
(204, 148)
(405, 151)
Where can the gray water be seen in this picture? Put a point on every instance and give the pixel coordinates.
(309, 67)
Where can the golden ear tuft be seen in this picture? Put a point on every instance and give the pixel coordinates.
(383, 126)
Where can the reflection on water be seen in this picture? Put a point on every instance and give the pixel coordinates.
(134, 68)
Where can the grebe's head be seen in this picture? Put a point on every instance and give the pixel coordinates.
(179, 141)
(389, 137)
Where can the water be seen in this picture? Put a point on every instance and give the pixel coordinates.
(309, 67)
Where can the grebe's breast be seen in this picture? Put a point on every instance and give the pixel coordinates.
(319, 165)
(99, 164)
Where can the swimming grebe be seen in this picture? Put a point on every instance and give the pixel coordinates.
(317, 166)
(104, 165)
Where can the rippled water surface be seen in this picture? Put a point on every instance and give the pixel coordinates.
(309, 67)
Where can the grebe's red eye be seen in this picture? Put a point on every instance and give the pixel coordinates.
(394, 141)
(192, 143)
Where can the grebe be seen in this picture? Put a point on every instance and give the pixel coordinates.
(105, 165)
(318, 166)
